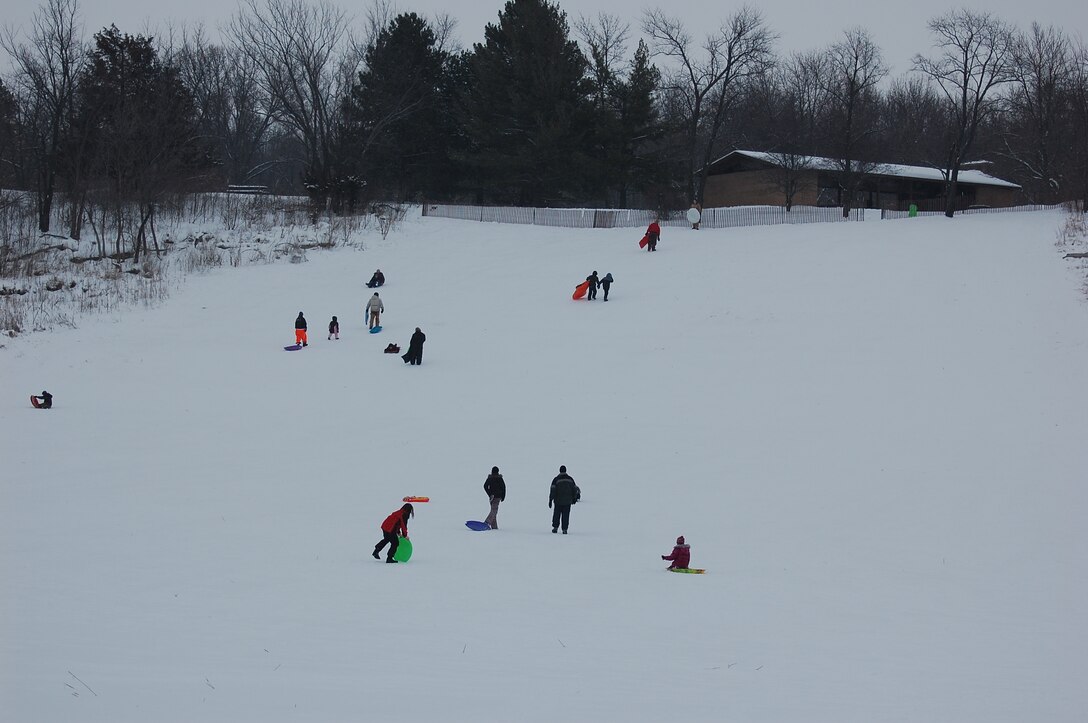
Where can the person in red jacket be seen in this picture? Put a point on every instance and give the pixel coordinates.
(394, 525)
(681, 555)
(653, 234)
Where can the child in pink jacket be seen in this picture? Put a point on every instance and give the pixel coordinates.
(681, 555)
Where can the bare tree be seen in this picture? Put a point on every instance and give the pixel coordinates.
(297, 48)
(709, 78)
(605, 38)
(47, 66)
(794, 100)
(1078, 103)
(1035, 138)
(233, 114)
(914, 125)
(973, 60)
(855, 67)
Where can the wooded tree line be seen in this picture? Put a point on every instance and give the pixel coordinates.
(297, 97)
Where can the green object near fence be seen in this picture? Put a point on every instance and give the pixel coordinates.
(912, 211)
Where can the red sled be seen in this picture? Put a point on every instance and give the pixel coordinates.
(580, 290)
(645, 240)
(35, 402)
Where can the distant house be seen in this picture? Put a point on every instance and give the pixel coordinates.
(746, 178)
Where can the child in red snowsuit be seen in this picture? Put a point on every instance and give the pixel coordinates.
(681, 555)
(394, 524)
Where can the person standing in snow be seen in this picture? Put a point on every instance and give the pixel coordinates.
(593, 282)
(653, 235)
(334, 328)
(300, 330)
(375, 307)
(495, 488)
(564, 493)
(414, 355)
(606, 284)
(681, 555)
(395, 526)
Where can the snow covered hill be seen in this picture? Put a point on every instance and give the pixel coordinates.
(872, 436)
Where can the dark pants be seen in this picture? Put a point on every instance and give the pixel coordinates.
(605, 286)
(390, 539)
(560, 514)
(592, 292)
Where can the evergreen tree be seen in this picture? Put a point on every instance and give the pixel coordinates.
(526, 110)
(134, 124)
(630, 163)
(392, 130)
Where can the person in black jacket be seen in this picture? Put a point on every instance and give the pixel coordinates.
(414, 355)
(564, 493)
(495, 487)
(594, 282)
(334, 328)
(300, 330)
(378, 279)
(45, 401)
(606, 284)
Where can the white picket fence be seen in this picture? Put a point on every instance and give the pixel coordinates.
(636, 218)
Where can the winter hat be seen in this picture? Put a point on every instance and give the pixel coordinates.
(494, 470)
(562, 469)
(334, 318)
(680, 540)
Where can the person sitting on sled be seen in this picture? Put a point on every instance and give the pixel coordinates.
(45, 401)
(681, 555)
(378, 279)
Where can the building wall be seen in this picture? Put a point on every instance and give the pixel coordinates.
(755, 188)
(998, 197)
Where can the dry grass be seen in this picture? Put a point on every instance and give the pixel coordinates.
(49, 281)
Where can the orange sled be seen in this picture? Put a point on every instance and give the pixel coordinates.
(411, 498)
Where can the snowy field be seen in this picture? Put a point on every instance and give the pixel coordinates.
(873, 436)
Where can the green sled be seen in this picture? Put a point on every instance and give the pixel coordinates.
(404, 550)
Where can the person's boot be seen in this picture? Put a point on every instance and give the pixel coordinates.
(376, 555)
(555, 530)
(390, 560)
(564, 532)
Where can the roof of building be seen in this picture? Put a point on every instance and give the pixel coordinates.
(922, 173)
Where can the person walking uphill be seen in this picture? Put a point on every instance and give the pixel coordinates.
(334, 328)
(414, 355)
(653, 235)
(396, 523)
(593, 282)
(606, 284)
(564, 493)
(374, 308)
(300, 330)
(495, 488)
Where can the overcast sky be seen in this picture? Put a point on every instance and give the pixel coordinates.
(899, 28)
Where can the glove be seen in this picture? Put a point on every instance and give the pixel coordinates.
(664, 557)
(549, 504)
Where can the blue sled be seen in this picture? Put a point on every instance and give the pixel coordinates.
(293, 347)
(375, 330)
(477, 525)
